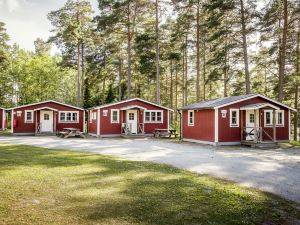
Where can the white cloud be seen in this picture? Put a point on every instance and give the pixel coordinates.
(27, 20)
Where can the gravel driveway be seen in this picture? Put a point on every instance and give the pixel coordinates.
(276, 171)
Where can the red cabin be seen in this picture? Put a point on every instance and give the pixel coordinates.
(3, 119)
(247, 119)
(129, 117)
(46, 117)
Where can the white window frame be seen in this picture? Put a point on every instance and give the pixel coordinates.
(265, 118)
(277, 112)
(25, 116)
(112, 113)
(237, 118)
(193, 117)
(154, 121)
(68, 121)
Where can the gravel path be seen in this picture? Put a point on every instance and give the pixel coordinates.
(276, 171)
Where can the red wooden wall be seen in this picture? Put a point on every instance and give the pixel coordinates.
(108, 128)
(204, 125)
(23, 127)
(233, 134)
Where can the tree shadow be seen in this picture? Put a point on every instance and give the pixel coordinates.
(105, 189)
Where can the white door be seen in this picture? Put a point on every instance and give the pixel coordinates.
(250, 124)
(132, 120)
(46, 121)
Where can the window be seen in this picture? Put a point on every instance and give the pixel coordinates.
(268, 118)
(114, 116)
(68, 117)
(131, 116)
(251, 117)
(158, 116)
(147, 116)
(280, 118)
(191, 118)
(28, 116)
(46, 117)
(153, 116)
(234, 118)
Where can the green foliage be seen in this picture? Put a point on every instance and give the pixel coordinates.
(110, 96)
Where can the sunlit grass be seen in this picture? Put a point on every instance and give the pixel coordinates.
(42, 186)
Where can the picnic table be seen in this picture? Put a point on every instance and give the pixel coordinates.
(165, 133)
(71, 132)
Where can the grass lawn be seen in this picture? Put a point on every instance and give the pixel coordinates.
(295, 143)
(42, 186)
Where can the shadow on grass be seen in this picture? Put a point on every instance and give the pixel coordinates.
(107, 190)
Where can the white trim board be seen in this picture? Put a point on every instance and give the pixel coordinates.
(129, 100)
(22, 106)
(216, 125)
(3, 118)
(254, 96)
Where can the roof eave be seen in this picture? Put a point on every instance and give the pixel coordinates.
(151, 103)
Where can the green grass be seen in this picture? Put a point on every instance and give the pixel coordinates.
(5, 133)
(42, 186)
(295, 143)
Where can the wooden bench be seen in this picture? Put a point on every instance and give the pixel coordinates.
(165, 133)
(71, 132)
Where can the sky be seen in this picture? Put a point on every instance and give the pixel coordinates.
(27, 20)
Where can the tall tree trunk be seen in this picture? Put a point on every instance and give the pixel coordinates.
(225, 69)
(244, 34)
(82, 74)
(171, 87)
(176, 91)
(78, 75)
(120, 78)
(204, 69)
(283, 51)
(296, 120)
(104, 80)
(128, 52)
(183, 77)
(198, 53)
(157, 54)
(186, 70)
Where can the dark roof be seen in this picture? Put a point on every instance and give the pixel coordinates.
(210, 104)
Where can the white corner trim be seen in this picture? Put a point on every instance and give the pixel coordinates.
(216, 125)
(3, 118)
(168, 120)
(289, 124)
(83, 128)
(12, 121)
(98, 122)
